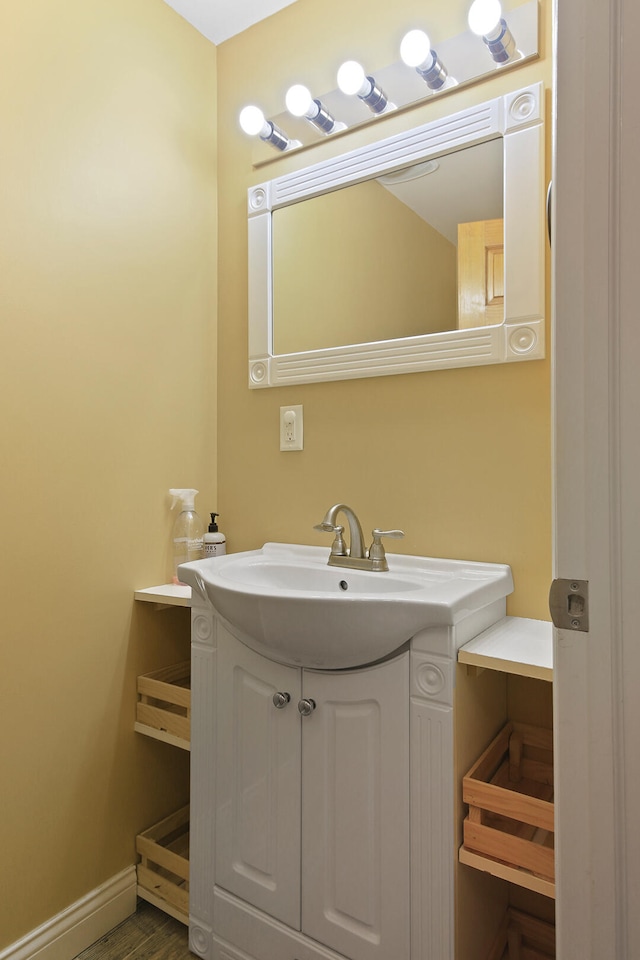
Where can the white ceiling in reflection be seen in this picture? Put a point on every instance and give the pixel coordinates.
(466, 186)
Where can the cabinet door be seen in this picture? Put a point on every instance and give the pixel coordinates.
(258, 781)
(355, 811)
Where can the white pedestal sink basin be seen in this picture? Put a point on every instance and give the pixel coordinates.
(286, 603)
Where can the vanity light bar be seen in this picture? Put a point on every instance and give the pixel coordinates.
(485, 21)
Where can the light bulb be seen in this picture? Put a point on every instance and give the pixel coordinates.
(252, 120)
(415, 48)
(298, 100)
(351, 78)
(484, 16)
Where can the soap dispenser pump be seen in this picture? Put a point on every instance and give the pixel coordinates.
(215, 544)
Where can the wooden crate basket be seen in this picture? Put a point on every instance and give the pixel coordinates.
(163, 871)
(164, 703)
(510, 795)
(523, 937)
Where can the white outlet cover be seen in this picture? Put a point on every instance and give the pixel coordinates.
(291, 427)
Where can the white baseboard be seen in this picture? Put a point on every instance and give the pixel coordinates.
(85, 921)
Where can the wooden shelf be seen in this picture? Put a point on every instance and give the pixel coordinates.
(163, 710)
(162, 735)
(166, 595)
(513, 645)
(522, 878)
(508, 831)
(522, 935)
(163, 713)
(163, 871)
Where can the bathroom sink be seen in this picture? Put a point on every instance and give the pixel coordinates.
(285, 601)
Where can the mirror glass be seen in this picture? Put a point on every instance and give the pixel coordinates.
(391, 257)
(422, 251)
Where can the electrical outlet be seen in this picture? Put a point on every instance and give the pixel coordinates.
(291, 428)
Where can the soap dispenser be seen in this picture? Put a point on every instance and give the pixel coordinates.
(215, 544)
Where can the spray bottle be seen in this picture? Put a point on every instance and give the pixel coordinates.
(215, 544)
(187, 530)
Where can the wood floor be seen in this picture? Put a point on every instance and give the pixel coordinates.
(148, 935)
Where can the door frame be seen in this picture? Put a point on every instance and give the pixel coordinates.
(596, 474)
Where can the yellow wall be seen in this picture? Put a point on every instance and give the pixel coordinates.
(459, 459)
(107, 372)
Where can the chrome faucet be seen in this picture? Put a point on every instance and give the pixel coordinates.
(356, 557)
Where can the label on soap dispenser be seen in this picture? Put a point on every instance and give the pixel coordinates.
(214, 549)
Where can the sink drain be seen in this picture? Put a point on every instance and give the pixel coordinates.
(343, 585)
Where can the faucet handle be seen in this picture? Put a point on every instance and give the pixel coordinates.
(376, 551)
(338, 547)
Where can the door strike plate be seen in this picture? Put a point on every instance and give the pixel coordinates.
(569, 604)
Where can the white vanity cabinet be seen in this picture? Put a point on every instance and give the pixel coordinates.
(312, 811)
(330, 836)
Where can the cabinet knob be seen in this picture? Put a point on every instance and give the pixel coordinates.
(280, 700)
(306, 707)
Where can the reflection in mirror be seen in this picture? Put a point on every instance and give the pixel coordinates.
(411, 252)
(422, 251)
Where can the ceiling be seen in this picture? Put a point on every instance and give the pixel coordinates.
(218, 20)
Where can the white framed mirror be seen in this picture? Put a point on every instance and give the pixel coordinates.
(421, 251)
